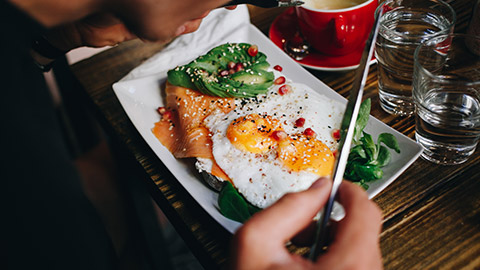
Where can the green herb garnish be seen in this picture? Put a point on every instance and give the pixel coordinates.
(367, 158)
(233, 205)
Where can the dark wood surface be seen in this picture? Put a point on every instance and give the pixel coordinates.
(431, 212)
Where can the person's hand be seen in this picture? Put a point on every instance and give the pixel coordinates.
(151, 20)
(97, 23)
(161, 20)
(98, 30)
(260, 242)
(102, 29)
(105, 29)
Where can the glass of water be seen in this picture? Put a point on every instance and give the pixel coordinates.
(446, 91)
(404, 25)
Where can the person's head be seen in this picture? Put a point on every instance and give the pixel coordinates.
(153, 20)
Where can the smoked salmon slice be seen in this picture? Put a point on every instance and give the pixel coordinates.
(181, 128)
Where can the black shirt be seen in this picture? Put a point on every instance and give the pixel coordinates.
(46, 221)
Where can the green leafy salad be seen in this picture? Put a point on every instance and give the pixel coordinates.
(366, 157)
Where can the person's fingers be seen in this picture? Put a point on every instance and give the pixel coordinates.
(100, 20)
(358, 233)
(192, 26)
(104, 36)
(291, 213)
(306, 236)
(360, 210)
(188, 27)
(268, 230)
(205, 14)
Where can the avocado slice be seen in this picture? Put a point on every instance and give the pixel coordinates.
(203, 73)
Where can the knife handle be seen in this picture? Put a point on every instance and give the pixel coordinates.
(258, 3)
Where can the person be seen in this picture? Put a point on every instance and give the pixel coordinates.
(260, 242)
(49, 221)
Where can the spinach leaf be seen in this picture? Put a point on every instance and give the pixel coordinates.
(383, 158)
(358, 171)
(362, 184)
(350, 172)
(232, 204)
(252, 209)
(366, 157)
(357, 152)
(368, 172)
(362, 119)
(389, 140)
(369, 145)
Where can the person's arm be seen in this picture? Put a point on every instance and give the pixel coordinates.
(260, 243)
(98, 30)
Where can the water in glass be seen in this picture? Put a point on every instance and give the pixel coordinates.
(400, 33)
(448, 125)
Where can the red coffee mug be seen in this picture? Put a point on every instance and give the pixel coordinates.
(337, 31)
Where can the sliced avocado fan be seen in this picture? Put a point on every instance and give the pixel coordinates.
(203, 74)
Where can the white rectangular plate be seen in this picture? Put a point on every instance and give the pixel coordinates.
(141, 97)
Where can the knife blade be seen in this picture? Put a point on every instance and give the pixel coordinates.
(347, 130)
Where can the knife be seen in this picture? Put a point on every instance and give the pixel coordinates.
(347, 129)
(266, 3)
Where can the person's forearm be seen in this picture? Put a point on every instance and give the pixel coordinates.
(51, 13)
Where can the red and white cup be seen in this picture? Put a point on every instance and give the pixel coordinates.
(337, 31)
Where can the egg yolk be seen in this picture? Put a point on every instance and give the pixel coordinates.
(252, 133)
(304, 153)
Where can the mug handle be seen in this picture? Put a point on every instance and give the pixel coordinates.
(340, 31)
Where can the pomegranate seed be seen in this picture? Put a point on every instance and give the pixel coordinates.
(238, 67)
(224, 73)
(336, 134)
(279, 80)
(284, 89)
(278, 67)
(161, 110)
(309, 132)
(335, 153)
(231, 71)
(253, 50)
(167, 115)
(279, 135)
(300, 122)
(231, 65)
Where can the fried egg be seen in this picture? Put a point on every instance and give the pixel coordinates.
(266, 152)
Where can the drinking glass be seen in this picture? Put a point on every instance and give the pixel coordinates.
(403, 26)
(446, 91)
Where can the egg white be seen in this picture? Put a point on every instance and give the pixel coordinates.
(261, 178)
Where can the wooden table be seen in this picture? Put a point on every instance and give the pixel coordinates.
(431, 213)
